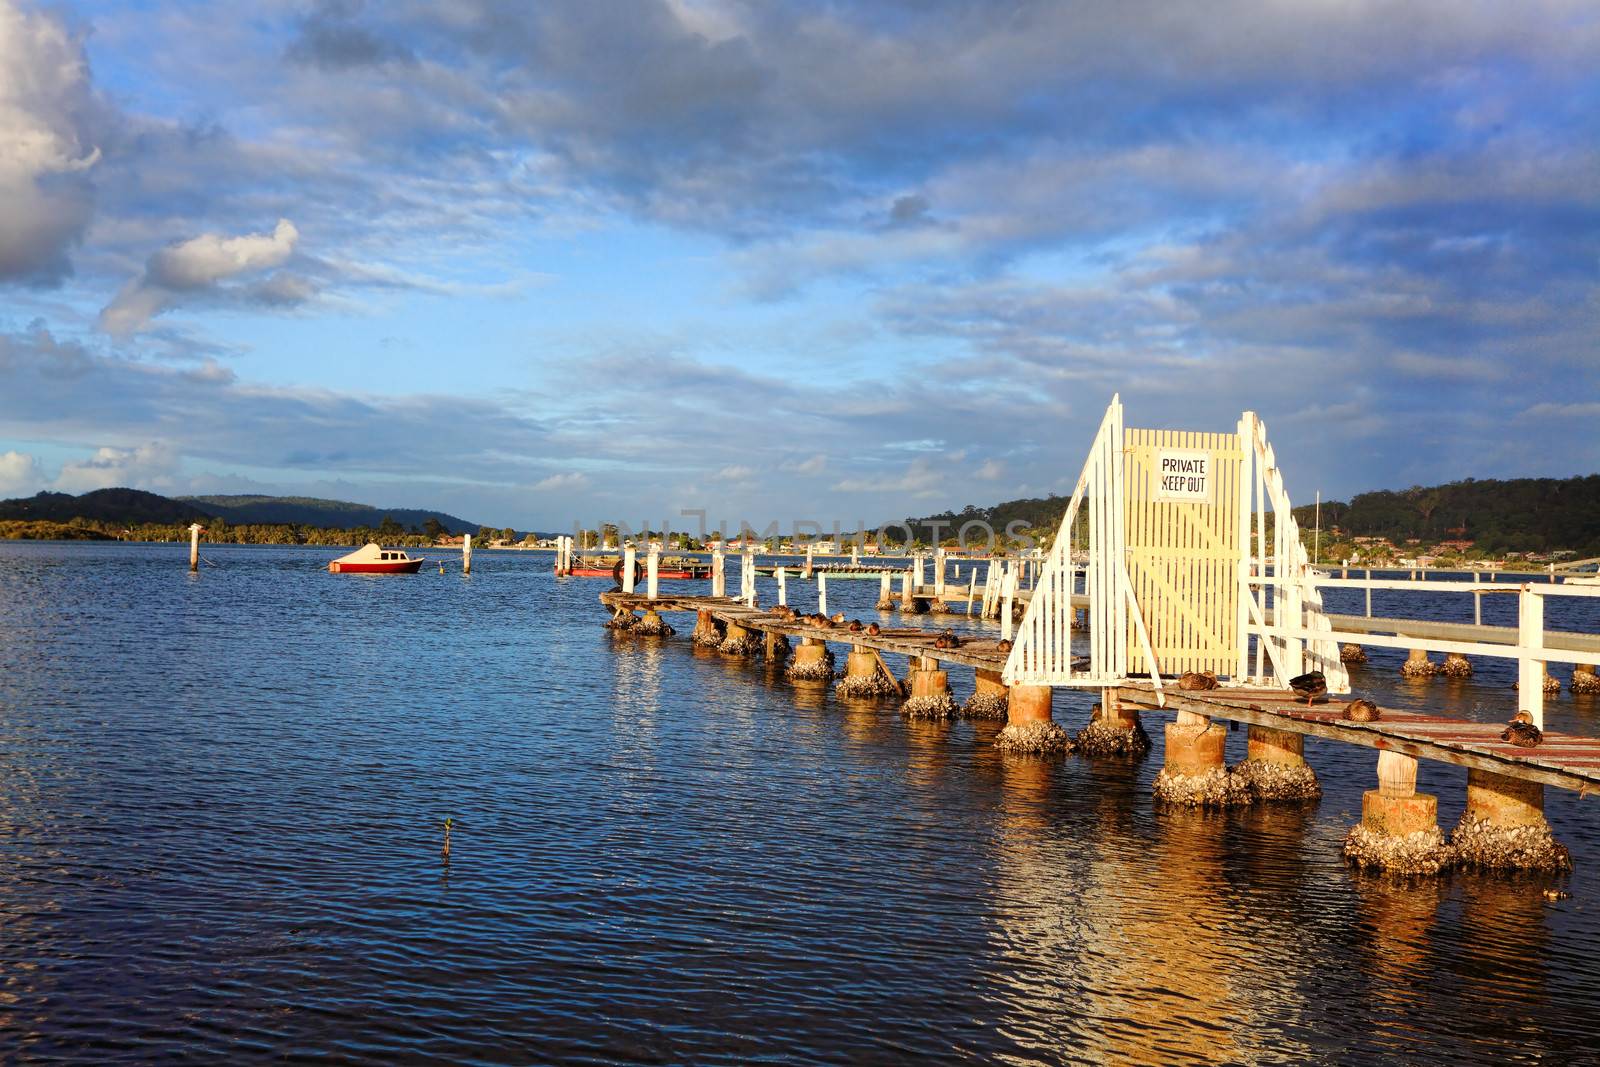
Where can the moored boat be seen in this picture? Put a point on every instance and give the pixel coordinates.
(373, 558)
(669, 567)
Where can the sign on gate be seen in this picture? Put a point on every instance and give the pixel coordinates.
(1185, 475)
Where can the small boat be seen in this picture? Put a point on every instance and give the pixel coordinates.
(372, 558)
(668, 567)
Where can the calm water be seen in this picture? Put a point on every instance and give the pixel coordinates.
(220, 808)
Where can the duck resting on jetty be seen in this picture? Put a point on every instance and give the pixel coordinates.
(1521, 732)
(1196, 681)
(1361, 711)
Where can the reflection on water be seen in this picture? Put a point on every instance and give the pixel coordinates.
(220, 799)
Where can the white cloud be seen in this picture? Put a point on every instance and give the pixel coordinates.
(19, 473)
(1587, 410)
(196, 266)
(148, 466)
(922, 478)
(991, 471)
(735, 474)
(815, 465)
(46, 198)
(575, 480)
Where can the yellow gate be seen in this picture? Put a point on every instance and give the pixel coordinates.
(1182, 523)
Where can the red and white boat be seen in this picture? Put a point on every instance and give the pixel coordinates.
(372, 558)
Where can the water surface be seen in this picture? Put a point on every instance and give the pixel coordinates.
(220, 808)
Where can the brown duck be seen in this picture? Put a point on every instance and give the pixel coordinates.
(1195, 681)
(873, 629)
(1310, 685)
(1521, 732)
(1361, 711)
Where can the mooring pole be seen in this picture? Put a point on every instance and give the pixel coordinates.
(822, 592)
(783, 589)
(653, 571)
(466, 553)
(629, 561)
(194, 545)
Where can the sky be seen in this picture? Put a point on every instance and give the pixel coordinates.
(534, 264)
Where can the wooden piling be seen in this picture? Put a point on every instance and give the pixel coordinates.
(194, 545)
(466, 553)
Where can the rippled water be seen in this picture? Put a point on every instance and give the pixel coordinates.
(220, 808)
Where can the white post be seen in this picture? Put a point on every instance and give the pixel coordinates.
(194, 545)
(855, 555)
(747, 576)
(628, 561)
(1530, 643)
(938, 573)
(822, 592)
(1369, 593)
(719, 573)
(1477, 603)
(1009, 584)
(972, 588)
(652, 572)
(885, 590)
(466, 553)
(810, 548)
(907, 601)
(783, 588)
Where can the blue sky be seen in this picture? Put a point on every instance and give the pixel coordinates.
(531, 263)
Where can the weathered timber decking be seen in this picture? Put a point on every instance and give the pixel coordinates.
(907, 641)
(1563, 760)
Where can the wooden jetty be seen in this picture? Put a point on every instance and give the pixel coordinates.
(1200, 603)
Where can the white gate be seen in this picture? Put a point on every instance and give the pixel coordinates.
(1175, 567)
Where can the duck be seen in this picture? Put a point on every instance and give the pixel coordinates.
(1521, 732)
(1361, 711)
(839, 618)
(1310, 685)
(1196, 681)
(1003, 646)
(873, 629)
(855, 626)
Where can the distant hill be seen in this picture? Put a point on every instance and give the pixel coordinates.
(128, 506)
(1518, 515)
(132, 507)
(1029, 512)
(310, 511)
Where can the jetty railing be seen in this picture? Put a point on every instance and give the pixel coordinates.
(1532, 649)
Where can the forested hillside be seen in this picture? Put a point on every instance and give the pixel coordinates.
(1518, 515)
